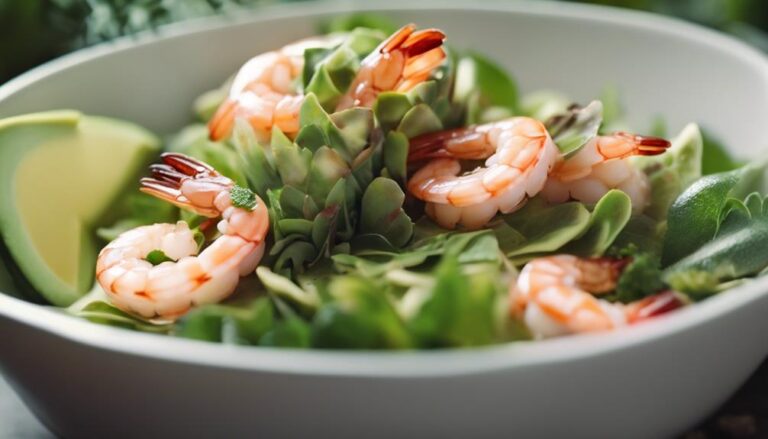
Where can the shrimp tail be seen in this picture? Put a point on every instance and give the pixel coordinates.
(168, 177)
(646, 145)
(221, 124)
(423, 52)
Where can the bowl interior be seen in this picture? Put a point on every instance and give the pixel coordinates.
(661, 67)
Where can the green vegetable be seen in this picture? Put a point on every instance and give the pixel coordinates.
(545, 104)
(243, 197)
(641, 278)
(738, 247)
(361, 315)
(382, 213)
(483, 86)
(329, 70)
(607, 220)
(157, 257)
(458, 310)
(544, 228)
(287, 290)
(572, 129)
(694, 218)
(228, 324)
(372, 259)
(105, 314)
(715, 157)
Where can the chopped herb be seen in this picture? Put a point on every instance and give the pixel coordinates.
(243, 197)
(157, 257)
(641, 278)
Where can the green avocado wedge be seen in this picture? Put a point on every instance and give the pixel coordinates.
(60, 174)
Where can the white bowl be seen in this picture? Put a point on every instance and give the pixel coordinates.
(651, 380)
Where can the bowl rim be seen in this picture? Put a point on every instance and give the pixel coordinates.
(398, 364)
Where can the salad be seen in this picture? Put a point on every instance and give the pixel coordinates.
(372, 188)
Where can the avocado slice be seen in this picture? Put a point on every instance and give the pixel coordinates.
(61, 173)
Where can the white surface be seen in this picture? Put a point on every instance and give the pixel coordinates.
(16, 422)
(663, 376)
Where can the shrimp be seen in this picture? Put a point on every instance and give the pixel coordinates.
(400, 63)
(556, 295)
(264, 91)
(602, 165)
(169, 289)
(519, 154)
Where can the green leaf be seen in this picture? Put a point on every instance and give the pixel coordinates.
(546, 228)
(613, 111)
(573, 129)
(544, 104)
(311, 137)
(736, 250)
(105, 314)
(359, 316)
(457, 310)
(295, 256)
(480, 79)
(292, 161)
(610, 215)
(157, 257)
(289, 333)
(396, 156)
(695, 216)
(243, 197)
(259, 168)
(672, 172)
(312, 113)
(291, 226)
(321, 85)
(287, 290)
(382, 212)
(420, 119)
(354, 127)
(390, 107)
(643, 232)
(326, 169)
(227, 324)
(297, 204)
(715, 157)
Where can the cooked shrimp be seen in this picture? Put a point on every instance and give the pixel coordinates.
(555, 295)
(602, 165)
(401, 62)
(520, 154)
(169, 289)
(265, 93)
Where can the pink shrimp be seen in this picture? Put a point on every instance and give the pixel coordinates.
(265, 94)
(602, 165)
(556, 295)
(169, 289)
(519, 154)
(400, 63)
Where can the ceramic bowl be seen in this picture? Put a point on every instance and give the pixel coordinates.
(651, 380)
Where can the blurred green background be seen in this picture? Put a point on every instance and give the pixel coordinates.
(33, 31)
